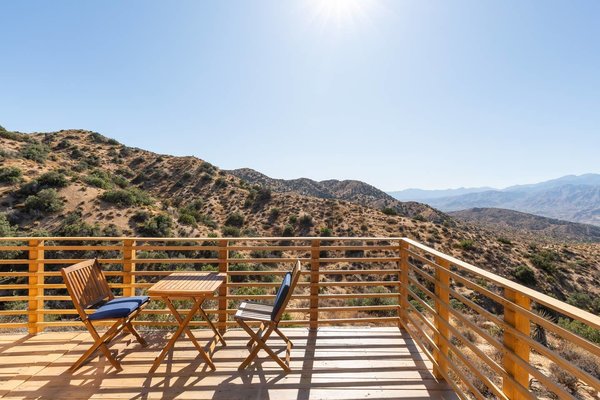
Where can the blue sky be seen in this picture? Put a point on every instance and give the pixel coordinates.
(429, 94)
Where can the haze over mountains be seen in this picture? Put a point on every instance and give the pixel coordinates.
(573, 198)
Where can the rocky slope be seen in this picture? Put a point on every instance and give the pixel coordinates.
(80, 183)
(348, 190)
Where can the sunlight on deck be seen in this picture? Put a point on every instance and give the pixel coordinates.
(330, 363)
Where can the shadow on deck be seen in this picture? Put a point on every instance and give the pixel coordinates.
(330, 363)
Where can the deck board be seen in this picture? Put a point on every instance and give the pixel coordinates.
(331, 363)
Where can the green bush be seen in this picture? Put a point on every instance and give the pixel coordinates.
(326, 232)
(73, 225)
(580, 300)
(231, 231)
(6, 229)
(288, 231)
(376, 301)
(53, 179)
(37, 152)
(389, 211)
(305, 221)
(46, 201)
(236, 220)
(187, 219)
(157, 226)
(467, 244)
(591, 334)
(127, 197)
(546, 260)
(505, 241)
(99, 179)
(10, 175)
(525, 275)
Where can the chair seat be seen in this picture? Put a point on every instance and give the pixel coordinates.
(118, 308)
(254, 311)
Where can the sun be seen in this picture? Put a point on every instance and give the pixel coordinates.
(341, 14)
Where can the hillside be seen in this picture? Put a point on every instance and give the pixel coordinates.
(348, 190)
(528, 224)
(80, 183)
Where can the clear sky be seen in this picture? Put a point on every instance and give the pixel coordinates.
(428, 94)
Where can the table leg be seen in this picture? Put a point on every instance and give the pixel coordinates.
(212, 326)
(182, 328)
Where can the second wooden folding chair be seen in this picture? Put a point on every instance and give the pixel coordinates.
(269, 317)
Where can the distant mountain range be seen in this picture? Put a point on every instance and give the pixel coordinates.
(574, 198)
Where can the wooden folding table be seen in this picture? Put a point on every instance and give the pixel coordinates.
(188, 285)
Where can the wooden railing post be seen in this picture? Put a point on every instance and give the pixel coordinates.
(442, 302)
(128, 267)
(224, 268)
(522, 324)
(314, 283)
(403, 284)
(36, 290)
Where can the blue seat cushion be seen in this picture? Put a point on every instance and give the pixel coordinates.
(281, 294)
(118, 308)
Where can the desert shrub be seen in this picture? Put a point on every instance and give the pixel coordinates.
(288, 231)
(467, 244)
(6, 230)
(37, 152)
(305, 221)
(420, 218)
(157, 226)
(292, 219)
(375, 301)
(586, 331)
(46, 201)
(140, 216)
(274, 213)
(581, 300)
(99, 179)
(525, 275)
(546, 260)
(326, 232)
(207, 221)
(127, 197)
(120, 181)
(73, 225)
(504, 240)
(53, 179)
(564, 378)
(112, 230)
(187, 219)
(235, 220)
(389, 211)
(231, 231)
(10, 175)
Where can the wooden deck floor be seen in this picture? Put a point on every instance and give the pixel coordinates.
(331, 363)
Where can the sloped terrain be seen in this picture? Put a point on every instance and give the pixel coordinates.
(80, 183)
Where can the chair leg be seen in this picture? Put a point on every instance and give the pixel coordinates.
(135, 333)
(288, 342)
(100, 343)
(261, 344)
(260, 330)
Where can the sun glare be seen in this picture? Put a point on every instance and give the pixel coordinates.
(339, 14)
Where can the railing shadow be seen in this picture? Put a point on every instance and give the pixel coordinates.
(323, 361)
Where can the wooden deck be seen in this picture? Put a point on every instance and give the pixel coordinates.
(330, 363)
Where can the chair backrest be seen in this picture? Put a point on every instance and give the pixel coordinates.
(285, 292)
(86, 284)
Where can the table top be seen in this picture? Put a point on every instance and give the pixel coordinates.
(187, 284)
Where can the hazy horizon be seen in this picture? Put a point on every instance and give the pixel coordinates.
(397, 94)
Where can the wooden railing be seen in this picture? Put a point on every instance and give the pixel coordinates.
(473, 325)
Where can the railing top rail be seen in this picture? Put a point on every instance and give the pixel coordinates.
(562, 307)
(181, 239)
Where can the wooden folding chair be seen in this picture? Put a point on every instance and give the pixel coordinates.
(269, 317)
(88, 288)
